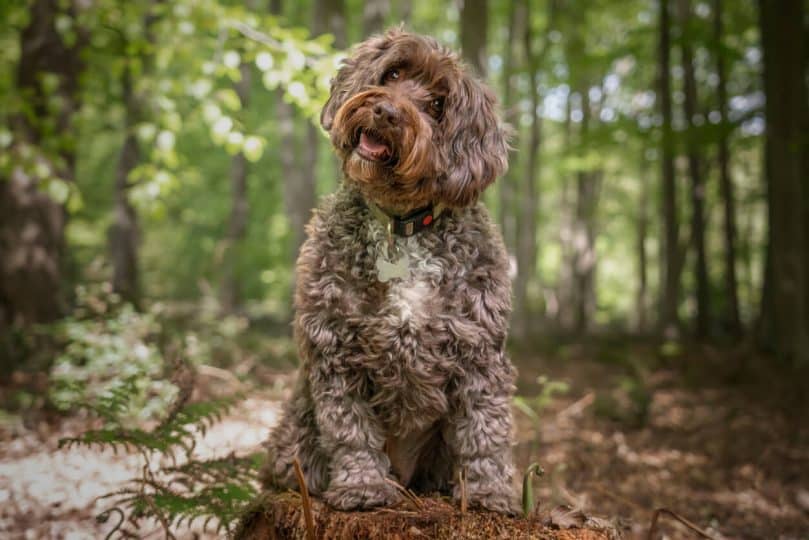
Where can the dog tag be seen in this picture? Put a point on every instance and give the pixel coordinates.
(387, 271)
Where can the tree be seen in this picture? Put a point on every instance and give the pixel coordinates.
(230, 292)
(695, 166)
(785, 299)
(507, 214)
(125, 231)
(32, 222)
(731, 316)
(474, 34)
(374, 13)
(671, 265)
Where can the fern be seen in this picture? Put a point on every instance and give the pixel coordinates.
(187, 491)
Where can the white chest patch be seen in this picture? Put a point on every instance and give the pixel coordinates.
(409, 291)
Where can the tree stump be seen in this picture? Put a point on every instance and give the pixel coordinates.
(281, 516)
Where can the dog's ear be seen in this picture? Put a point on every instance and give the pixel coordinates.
(354, 74)
(476, 150)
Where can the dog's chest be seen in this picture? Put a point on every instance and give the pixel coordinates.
(409, 368)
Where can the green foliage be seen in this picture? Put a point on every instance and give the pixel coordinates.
(534, 406)
(174, 487)
(528, 488)
(121, 367)
(111, 363)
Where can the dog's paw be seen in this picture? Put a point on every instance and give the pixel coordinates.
(361, 496)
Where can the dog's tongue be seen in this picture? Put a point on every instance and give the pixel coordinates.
(373, 146)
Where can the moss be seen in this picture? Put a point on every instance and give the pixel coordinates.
(280, 516)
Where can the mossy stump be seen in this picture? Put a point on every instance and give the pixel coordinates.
(281, 516)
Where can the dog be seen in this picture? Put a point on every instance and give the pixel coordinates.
(402, 295)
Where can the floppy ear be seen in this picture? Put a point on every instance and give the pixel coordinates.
(354, 74)
(476, 143)
(341, 89)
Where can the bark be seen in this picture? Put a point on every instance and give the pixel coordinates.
(329, 16)
(564, 297)
(230, 290)
(31, 223)
(787, 276)
(405, 10)
(670, 265)
(374, 14)
(581, 302)
(731, 317)
(298, 155)
(695, 166)
(508, 212)
(474, 31)
(527, 246)
(124, 233)
(641, 322)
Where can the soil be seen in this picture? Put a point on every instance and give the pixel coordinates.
(620, 443)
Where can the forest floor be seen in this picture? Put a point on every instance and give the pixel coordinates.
(616, 441)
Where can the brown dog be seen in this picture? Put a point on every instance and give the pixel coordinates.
(403, 296)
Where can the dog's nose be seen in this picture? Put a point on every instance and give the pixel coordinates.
(386, 112)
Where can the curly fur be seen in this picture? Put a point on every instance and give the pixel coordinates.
(406, 379)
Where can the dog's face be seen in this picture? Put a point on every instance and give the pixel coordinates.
(412, 126)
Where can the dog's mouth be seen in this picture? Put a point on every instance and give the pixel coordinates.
(371, 145)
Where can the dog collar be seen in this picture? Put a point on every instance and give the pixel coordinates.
(410, 224)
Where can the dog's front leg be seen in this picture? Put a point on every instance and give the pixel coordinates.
(478, 432)
(351, 434)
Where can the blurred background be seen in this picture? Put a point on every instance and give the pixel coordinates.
(159, 159)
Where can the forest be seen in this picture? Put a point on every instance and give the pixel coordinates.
(159, 161)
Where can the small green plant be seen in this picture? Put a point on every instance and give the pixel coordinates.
(113, 366)
(534, 406)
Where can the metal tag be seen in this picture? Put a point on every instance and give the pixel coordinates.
(387, 271)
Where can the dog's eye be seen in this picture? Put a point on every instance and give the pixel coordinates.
(390, 75)
(437, 106)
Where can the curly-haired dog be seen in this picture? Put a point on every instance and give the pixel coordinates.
(403, 295)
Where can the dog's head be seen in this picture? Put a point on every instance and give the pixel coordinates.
(412, 126)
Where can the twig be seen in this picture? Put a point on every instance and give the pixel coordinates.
(260, 37)
(462, 483)
(306, 502)
(105, 515)
(409, 495)
(681, 519)
(577, 407)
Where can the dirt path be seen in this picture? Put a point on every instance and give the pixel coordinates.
(50, 493)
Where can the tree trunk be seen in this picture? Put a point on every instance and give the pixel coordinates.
(299, 158)
(565, 283)
(286, 516)
(695, 162)
(670, 265)
(405, 10)
(783, 42)
(507, 210)
(641, 322)
(374, 14)
(230, 291)
(731, 317)
(124, 233)
(329, 16)
(474, 26)
(527, 246)
(31, 223)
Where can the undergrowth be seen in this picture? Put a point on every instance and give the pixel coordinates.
(119, 369)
